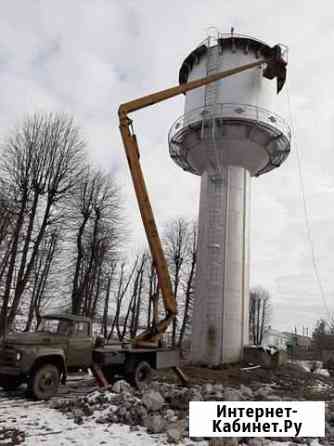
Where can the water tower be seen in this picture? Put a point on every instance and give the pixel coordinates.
(227, 134)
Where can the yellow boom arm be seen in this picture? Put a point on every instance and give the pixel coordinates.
(151, 337)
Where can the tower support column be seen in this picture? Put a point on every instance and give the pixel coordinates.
(220, 316)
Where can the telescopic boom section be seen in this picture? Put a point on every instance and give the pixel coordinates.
(151, 336)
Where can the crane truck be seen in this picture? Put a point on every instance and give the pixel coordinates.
(65, 342)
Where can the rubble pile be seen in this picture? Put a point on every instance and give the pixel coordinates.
(163, 407)
(11, 436)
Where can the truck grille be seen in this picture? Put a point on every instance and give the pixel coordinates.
(7, 356)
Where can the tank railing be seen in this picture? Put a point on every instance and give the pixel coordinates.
(241, 36)
(230, 110)
(212, 36)
(212, 40)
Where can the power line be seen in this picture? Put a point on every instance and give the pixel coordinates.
(306, 213)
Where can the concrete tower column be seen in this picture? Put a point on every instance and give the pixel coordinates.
(220, 325)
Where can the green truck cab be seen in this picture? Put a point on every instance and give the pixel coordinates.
(42, 359)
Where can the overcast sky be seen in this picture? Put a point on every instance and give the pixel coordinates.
(85, 57)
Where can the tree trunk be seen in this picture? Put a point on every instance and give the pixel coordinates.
(27, 240)
(188, 300)
(22, 284)
(138, 306)
(12, 259)
(76, 298)
(106, 307)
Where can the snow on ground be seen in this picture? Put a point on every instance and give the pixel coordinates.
(45, 426)
(316, 366)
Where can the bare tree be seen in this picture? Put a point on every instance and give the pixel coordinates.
(189, 287)
(7, 218)
(40, 167)
(152, 293)
(7, 213)
(134, 305)
(179, 241)
(42, 268)
(176, 243)
(259, 313)
(109, 275)
(138, 279)
(323, 335)
(124, 282)
(96, 224)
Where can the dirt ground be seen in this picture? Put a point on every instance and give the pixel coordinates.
(289, 381)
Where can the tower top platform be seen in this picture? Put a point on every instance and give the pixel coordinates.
(232, 41)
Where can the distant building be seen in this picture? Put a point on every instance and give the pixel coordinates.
(275, 338)
(304, 342)
(298, 342)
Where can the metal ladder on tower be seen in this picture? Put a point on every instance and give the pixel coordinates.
(211, 68)
(215, 192)
(210, 112)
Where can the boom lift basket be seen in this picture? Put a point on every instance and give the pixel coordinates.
(276, 66)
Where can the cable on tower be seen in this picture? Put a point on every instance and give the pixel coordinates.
(305, 208)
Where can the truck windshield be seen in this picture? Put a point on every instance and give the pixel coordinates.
(56, 326)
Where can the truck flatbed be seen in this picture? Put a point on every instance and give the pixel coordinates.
(112, 355)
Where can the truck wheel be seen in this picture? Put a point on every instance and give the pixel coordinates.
(44, 382)
(142, 375)
(9, 383)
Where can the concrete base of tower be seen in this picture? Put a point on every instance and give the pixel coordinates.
(220, 316)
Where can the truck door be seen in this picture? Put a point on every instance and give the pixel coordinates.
(80, 346)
